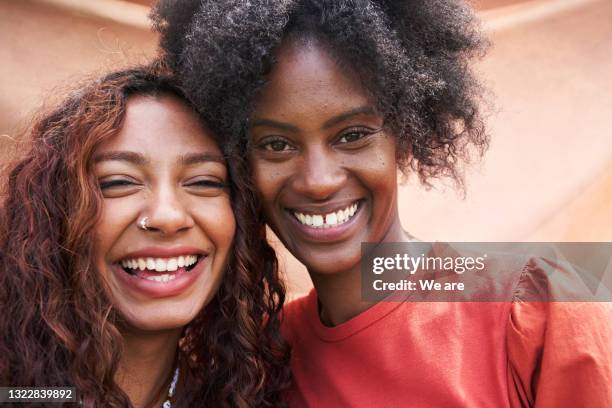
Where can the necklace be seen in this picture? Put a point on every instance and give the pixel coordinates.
(171, 390)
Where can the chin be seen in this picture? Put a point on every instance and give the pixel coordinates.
(332, 262)
(168, 320)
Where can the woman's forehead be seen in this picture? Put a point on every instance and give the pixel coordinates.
(306, 76)
(162, 122)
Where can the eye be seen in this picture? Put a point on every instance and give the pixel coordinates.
(116, 183)
(354, 135)
(206, 184)
(276, 145)
(351, 137)
(117, 186)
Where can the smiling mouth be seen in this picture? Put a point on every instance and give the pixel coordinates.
(327, 220)
(161, 270)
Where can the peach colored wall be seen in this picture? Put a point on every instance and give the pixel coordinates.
(491, 4)
(45, 50)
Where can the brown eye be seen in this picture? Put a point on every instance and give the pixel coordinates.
(355, 137)
(351, 137)
(277, 146)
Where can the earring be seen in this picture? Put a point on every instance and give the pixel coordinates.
(142, 223)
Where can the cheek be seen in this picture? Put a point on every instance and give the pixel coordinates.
(385, 161)
(116, 216)
(217, 220)
(269, 178)
(377, 168)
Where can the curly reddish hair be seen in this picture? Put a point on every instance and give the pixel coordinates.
(59, 326)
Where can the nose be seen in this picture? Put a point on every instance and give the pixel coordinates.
(167, 212)
(320, 174)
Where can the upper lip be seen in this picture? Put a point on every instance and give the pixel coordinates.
(164, 252)
(323, 208)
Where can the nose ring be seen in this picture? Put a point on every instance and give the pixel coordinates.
(142, 223)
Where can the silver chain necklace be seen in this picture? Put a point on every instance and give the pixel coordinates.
(171, 390)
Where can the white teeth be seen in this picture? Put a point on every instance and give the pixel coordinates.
(159, 264)
(190, 260)
(331, 219)
(165, 278)
(327, 220)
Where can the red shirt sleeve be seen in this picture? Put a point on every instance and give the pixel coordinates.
(559, 353)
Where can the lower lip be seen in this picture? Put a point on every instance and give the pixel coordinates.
(331, 234)
(154, 289)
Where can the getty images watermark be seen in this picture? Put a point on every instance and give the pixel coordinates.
(501, 271)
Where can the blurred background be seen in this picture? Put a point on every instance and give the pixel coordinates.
(546, 177)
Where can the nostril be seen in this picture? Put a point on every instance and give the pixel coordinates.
(168, 220)
(319, 186)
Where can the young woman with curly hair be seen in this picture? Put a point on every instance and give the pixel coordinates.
(132, 265)
(329, 99)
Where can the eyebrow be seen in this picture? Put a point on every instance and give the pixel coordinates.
(139, 160)
(130, 157)
(329, 123)
(275, 124)
(347, 115)
(195, 158)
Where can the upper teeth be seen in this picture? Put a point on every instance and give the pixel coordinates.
(327, 220)
(160, 264)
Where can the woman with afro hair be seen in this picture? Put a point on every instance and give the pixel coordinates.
(328, 99)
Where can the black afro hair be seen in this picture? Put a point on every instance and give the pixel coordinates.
(412, 56)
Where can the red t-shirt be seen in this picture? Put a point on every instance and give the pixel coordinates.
(454, 354)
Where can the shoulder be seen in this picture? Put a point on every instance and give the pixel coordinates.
(556, 279)
(557, 340)
(296, 314)
(526, 272)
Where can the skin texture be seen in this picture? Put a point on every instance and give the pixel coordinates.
(183, 208)
(187, 204)
(318, 145)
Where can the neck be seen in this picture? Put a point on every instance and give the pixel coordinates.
(340, 293)
(339, 296)
(146, 364)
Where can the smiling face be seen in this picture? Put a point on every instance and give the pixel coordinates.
(164, 166)
(325, 168)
